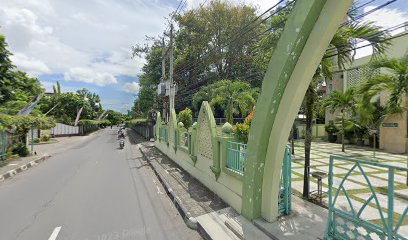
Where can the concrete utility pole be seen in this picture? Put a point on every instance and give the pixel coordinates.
(164, 73)
(172, 85)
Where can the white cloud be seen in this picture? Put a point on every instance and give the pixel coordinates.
(32, 66)
(132, 87)
(386, 18)
(65, 36)
(88, 75)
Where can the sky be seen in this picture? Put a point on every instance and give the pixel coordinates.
(88, 43)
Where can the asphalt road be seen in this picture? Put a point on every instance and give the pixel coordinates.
(92, 191)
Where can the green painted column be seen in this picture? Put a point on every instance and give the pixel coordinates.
(307, 33)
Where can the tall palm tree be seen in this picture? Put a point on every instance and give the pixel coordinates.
(234, 97)
(340, 51)
(346, 103)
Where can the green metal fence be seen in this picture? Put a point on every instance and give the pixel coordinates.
(184, 140)
(348, 223)
(163, 133)
(3, 143)
(236, 156)
(285, 194)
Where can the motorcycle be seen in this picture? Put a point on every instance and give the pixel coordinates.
(121, 144)
(121, 135)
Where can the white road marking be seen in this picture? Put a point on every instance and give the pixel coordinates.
(55, 233)
(12, 164)
(158, 190)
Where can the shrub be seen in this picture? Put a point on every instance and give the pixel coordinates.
(20, 149)
(331, 128)
(241, 130)
(36, 140)
(186, 117)
(45, 138)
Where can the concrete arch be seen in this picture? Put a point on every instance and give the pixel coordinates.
(307, 33)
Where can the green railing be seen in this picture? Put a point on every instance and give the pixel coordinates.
(347, 222)
(236, 156)
(163, 133)
(285, 194)
(184, 140)
(3, 143)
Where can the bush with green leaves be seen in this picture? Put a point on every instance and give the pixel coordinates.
(36, 140)
(45, 138)
(20, 149)
(186, 117)
(331, 128)
(241, 130)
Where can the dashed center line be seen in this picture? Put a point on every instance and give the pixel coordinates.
(55, 233)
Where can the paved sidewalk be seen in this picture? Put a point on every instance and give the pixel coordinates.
(195, 197)
(43, 151)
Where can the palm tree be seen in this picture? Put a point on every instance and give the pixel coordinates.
(394, 81)
(234, 97)
(346, 103)
(341, 50)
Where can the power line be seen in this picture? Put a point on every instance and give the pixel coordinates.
(366, 45)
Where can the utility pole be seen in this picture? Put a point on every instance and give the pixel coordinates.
(164, 74)
(172, 87)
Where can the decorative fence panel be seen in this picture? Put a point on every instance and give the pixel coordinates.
(373, 217)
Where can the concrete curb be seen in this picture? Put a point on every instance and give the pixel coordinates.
(22, 168)
(191, 221)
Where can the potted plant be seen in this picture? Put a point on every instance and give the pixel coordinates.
(331, 130)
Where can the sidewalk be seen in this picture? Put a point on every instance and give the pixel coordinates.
(11, 167)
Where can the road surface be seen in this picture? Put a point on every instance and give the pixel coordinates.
(92, 191)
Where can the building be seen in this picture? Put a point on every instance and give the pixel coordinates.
(393, 135)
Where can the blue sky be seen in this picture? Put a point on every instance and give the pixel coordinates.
(87, 43)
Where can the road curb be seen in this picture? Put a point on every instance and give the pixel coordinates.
(22, 168)
(191, 221)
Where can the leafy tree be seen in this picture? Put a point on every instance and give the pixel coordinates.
(114, 117)
(186, 117)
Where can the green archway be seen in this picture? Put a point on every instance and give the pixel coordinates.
(307, 33)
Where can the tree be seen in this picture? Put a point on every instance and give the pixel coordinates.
(114, 117)
(233, 97)
(208, 49)
(346, 103)
(393, 81)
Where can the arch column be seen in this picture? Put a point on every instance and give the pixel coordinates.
(307, 33)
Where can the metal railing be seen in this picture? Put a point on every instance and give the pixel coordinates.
(285, 194)
(236, 159)
(236, 156)
(184, 140)
(347, 222)
(163, 134)
(3, 143)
